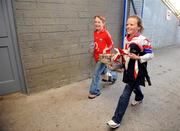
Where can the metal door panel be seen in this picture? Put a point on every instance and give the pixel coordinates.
(3, 30)
(10, 75)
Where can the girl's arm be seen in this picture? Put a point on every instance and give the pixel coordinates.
(148, 51)
(110, 43)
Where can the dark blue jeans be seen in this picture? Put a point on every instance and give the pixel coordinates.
(124, 101)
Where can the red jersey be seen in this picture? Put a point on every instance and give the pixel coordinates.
(101, 41)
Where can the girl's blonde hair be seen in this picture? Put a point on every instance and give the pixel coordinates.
(139, 22)
(102, 18)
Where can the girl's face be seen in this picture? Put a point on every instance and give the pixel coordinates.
(132, 26)
(98, 24)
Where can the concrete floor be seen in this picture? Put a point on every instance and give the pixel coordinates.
(68, 108)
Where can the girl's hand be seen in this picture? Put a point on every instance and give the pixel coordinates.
(134, 56)
(104, 51)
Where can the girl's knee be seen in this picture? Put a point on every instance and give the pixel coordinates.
(125, 96)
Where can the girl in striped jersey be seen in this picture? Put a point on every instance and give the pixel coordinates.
(136, 52)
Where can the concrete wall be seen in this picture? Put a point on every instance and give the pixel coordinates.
(54, 36)
(158, 29)
(178, 33)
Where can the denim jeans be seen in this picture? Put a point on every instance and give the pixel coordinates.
(124, 101)
(95, 84)
(114, 75)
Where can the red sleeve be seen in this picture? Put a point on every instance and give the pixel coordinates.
(109, 41)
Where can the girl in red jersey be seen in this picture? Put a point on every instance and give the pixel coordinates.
(102, 45)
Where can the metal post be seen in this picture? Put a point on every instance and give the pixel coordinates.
(124, 22)
(142, 9)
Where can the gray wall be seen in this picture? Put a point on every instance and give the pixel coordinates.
(54, 36)
(178, 33)
(160, 31)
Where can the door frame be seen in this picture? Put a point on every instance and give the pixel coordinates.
(14, 39)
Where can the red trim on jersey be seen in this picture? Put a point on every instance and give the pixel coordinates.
(129, 38)
(147, 46)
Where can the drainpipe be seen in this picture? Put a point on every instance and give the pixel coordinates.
(142, 9)
(124, 22)
(134, 9)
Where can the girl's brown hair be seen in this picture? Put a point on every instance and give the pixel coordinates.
(102, 18)
(139, 22)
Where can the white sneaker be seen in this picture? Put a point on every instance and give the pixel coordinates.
(134, 102)
(113, 124)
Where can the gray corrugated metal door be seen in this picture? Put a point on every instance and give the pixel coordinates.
(10, 75)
